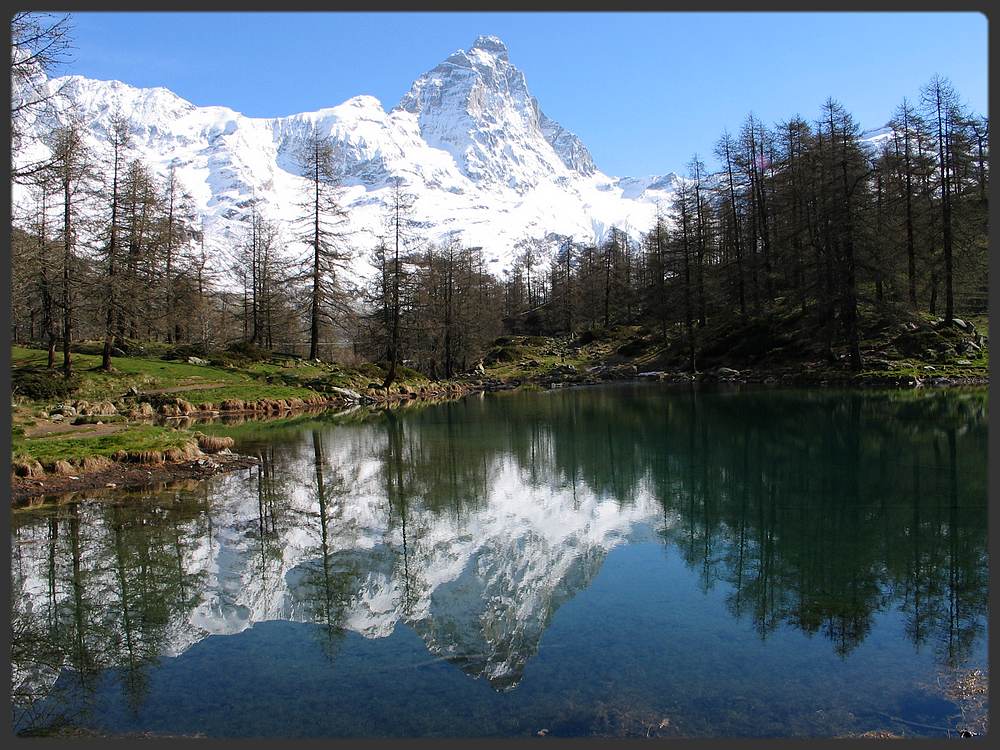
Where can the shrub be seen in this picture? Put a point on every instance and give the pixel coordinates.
(632, 347)
(591, 335)
(507, 353)
(181, 352)
(42, 385)
(130, 348)
(25, 466)
(408, 373)
(248, 350)
(95, 348)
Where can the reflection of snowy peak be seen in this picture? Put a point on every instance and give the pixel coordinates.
(479, 591)
(479, 585)
(468, 140)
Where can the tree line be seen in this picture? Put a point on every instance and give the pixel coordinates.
(805, 216)
(801, 216)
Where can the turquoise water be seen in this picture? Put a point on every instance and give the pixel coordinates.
(629, 560)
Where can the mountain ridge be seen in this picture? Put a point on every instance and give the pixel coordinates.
(468, 140)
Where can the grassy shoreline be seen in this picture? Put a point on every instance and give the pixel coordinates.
(142, 412)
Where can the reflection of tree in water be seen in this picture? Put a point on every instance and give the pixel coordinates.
(328, 581)
(398, 464)
(818, 509)
(272, 489)
(434, 462)
(827, 521)
(117, 580)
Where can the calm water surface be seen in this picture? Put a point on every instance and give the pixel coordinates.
(621, 560)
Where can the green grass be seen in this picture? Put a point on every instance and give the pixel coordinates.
(156, 374)
(47, 450)
(545, 363)
(548, 353)
(254, 391)
(143, 374)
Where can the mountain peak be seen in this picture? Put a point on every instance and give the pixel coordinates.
(476, 106)
(492, 45)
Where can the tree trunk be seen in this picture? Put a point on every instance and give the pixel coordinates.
(67, 262)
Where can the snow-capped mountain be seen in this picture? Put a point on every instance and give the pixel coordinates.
(468, 141)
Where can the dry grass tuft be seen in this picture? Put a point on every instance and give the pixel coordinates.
(95, 463)
(214, 444)
(146, 457)
(27, 467)
(63, 467)
(143, 410)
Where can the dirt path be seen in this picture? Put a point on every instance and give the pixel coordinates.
(66, 429)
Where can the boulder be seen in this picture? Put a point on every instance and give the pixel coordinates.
(727, 372)
(101, 409)
(143, 410)
(347, 394)
(197, 361)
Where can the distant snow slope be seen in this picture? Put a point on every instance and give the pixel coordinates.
(468, 140)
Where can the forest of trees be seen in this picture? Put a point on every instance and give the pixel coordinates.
(800, 217)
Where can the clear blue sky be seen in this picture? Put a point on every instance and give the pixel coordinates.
(643, 90)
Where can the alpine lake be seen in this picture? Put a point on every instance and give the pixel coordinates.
(621, 560)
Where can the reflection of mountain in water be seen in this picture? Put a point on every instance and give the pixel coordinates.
(473, 522)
